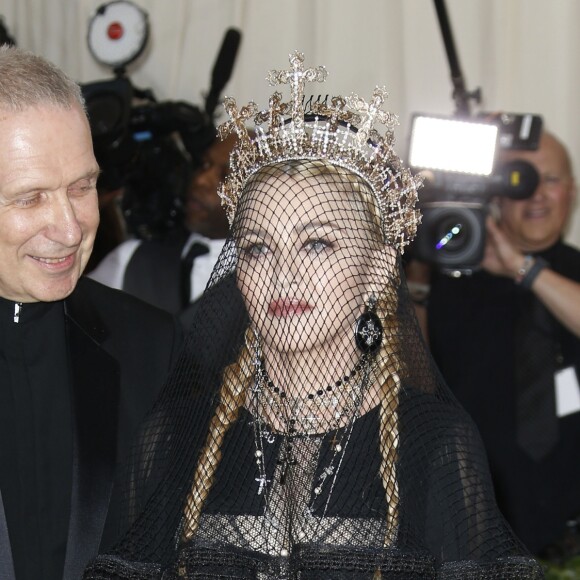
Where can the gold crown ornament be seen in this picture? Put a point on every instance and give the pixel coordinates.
(341, 132)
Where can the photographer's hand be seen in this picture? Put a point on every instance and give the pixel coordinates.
(559, 294)
(501, 257)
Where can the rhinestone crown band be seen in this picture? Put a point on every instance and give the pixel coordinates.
(341, 133)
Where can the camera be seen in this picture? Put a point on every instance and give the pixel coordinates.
(460, 161)
(148, 148)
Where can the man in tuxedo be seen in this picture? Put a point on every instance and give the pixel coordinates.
(80, 363)
(171, 273)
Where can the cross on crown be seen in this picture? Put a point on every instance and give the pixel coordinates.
(371, 112)
(238, 119)
(336, 112)
(275, 112)
(297, 78)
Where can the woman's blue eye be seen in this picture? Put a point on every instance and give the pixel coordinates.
(256, 250)
(317, 246)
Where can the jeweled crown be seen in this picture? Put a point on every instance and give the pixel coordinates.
(341, 132)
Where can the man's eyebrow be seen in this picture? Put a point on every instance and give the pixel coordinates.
(92, 174)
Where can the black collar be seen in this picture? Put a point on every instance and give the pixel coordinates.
(81, 310)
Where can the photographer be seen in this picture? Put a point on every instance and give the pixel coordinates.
(507, 341)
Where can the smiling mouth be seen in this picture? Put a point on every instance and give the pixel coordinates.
(536, 213)
(56, 263)
(52, 260)
(282, 308)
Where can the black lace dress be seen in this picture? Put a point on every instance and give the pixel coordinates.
(329, 520)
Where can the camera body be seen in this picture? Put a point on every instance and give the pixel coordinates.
(452, 230)
(148, 148)
(461, 164)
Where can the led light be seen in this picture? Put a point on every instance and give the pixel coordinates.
(452, 145)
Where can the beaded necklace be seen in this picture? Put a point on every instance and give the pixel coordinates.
(267, 395)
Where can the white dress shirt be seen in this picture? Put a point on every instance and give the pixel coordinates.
(111, 269)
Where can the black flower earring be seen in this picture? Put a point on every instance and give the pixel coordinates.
(368, 330)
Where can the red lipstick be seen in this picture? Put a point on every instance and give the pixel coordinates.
(288, 307)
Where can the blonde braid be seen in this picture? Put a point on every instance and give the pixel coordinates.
(237, 378)
(389, 369)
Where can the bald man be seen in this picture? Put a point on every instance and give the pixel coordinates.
(507, 341)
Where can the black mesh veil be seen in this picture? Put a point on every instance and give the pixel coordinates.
(286, 446)
(305, 432)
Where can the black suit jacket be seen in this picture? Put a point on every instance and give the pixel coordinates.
(120, 352)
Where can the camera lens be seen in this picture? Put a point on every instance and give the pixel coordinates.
(456, 235)
(452, 235)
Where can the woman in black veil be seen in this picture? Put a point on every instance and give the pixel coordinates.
(305, 432)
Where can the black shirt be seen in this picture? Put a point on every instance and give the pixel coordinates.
(35, 436)
(471, 329)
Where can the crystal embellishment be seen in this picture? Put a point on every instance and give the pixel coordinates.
(342, 132)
